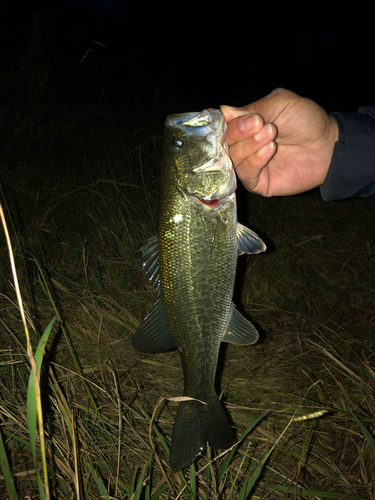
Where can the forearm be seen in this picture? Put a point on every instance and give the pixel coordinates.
(352, 169)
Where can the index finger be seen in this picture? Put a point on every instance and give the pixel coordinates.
(240, 124)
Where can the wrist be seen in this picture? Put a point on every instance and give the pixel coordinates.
(334, 131)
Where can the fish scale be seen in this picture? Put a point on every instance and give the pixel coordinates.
(196, 268)
(192, 264)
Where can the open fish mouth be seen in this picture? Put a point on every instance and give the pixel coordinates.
(214, 203)
(211, 203)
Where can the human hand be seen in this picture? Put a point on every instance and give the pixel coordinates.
(282, 144)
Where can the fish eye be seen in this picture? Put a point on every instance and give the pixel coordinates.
(178, 142)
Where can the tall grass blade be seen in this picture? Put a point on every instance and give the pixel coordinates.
(148, 485)
(193, 481)
(138, 491)
(248, 429)
(371, 442)
(99, 483)
(6, 470)
(249, 484)
(304, 492)
(34, 406)
(32, 403)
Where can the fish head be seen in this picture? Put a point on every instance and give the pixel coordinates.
(197, 155)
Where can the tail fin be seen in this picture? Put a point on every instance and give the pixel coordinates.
(195, 425)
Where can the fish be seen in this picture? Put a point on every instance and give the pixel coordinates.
(192, 265)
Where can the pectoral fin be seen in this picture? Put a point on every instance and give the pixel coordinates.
(240, 331)
(248, 241)
(152, 335)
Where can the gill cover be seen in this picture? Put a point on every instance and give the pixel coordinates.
(200, 154)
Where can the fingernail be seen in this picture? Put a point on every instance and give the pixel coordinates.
(264, 133)
(266, 149)
(275, 91)
(228, 106)
(249, 123)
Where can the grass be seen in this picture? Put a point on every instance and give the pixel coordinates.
(78, 204)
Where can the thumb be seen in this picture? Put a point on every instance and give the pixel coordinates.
(231, 112)
(272, 105)
(265, 106)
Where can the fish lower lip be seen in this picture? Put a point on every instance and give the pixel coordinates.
(210, 203)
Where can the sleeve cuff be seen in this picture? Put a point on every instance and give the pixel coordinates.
(352, 169)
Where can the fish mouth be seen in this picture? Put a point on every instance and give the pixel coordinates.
(210, 203)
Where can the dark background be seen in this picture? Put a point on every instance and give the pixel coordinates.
(189, 60)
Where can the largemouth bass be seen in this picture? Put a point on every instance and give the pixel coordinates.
(192, 264)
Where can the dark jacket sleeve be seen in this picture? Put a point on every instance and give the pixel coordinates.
(352, 169)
